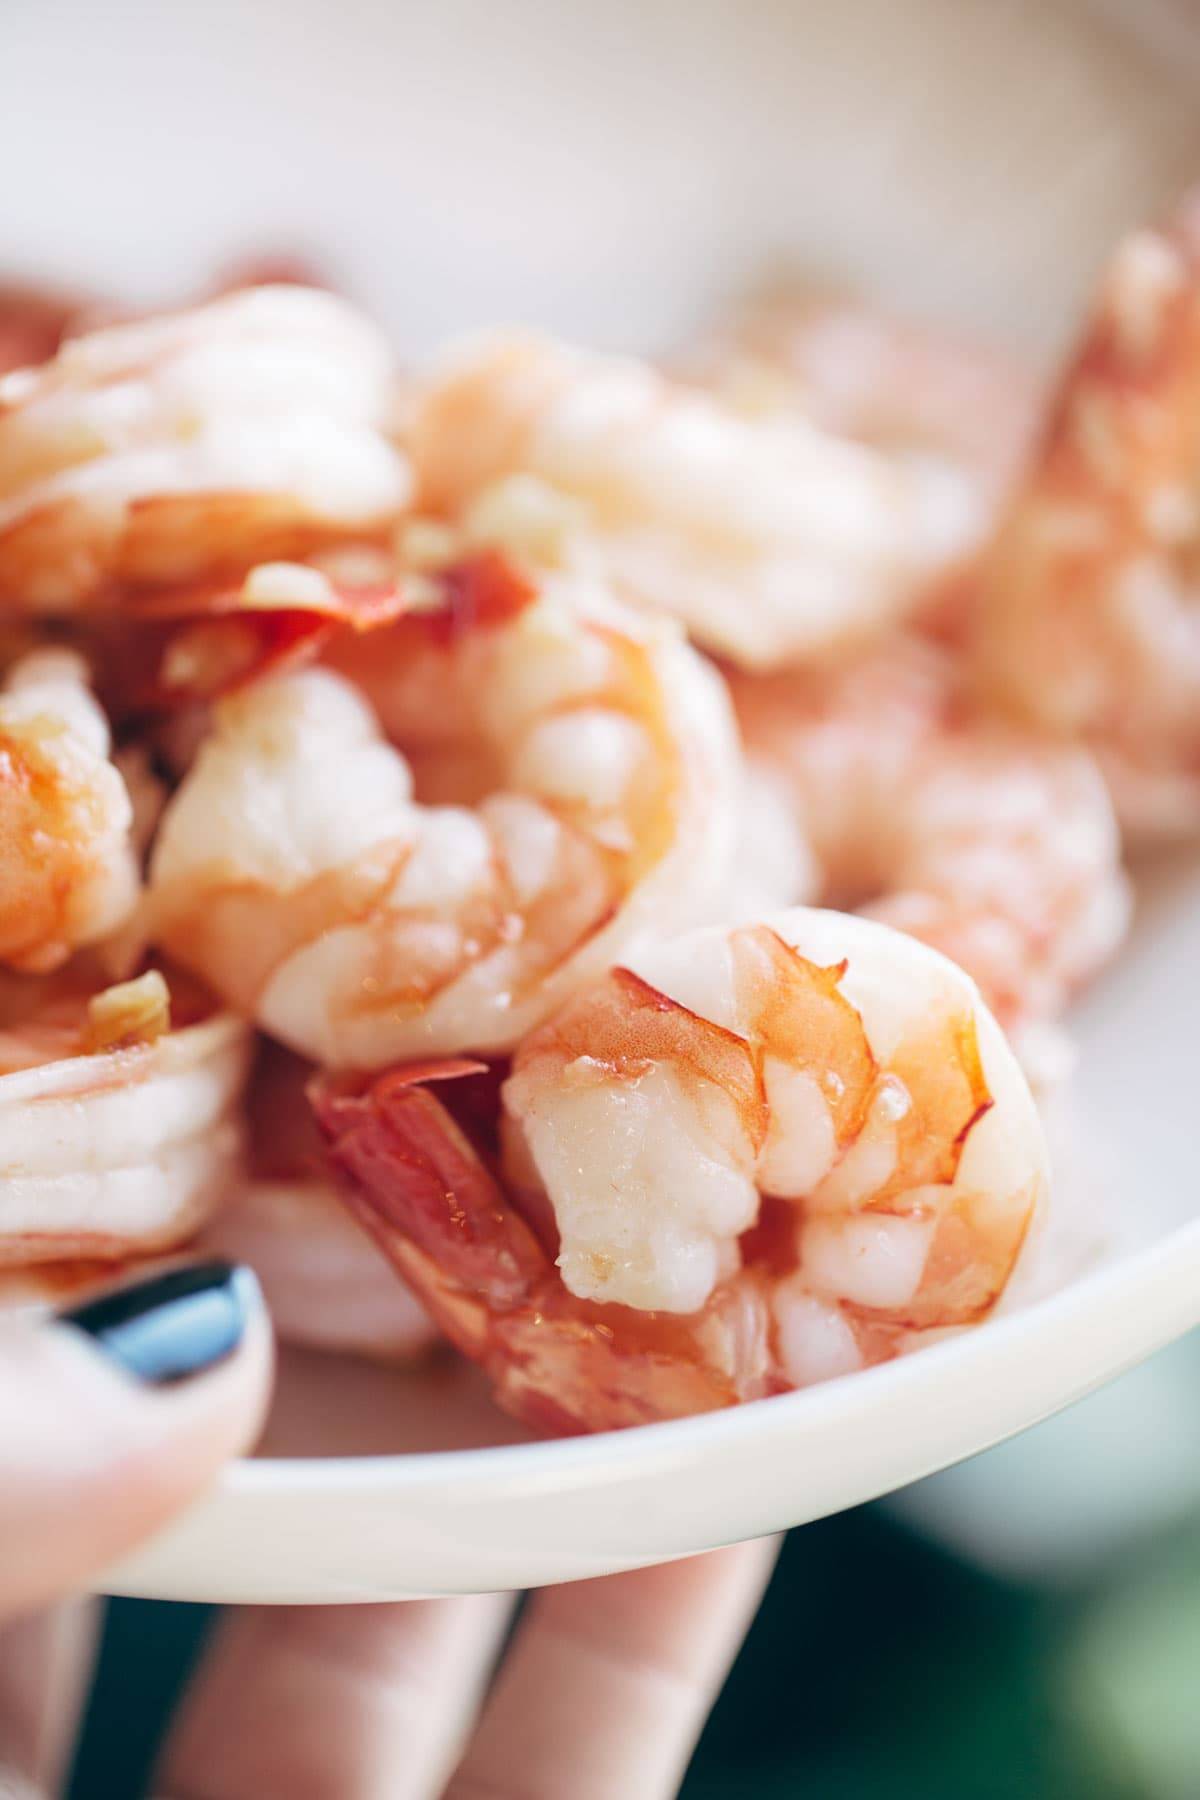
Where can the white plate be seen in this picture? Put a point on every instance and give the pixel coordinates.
(417, 1486)
(614, 171)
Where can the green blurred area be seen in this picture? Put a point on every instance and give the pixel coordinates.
(879, 1668)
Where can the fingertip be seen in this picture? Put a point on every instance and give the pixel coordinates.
(117, 1415)
(179, 1322)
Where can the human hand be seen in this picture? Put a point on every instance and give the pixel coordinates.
(602, 1691)
(111, 1421)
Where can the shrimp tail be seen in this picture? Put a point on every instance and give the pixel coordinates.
(197, 641)
(412, 1177)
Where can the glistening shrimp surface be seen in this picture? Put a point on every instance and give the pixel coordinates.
(193, 444)
(394, 894)
(770, 538)
(426, 850)
(121, 1129)
(772, 1154)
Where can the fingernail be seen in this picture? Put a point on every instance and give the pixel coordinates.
(172, 1325)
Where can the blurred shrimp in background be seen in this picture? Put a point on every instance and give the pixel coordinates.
(970, 165)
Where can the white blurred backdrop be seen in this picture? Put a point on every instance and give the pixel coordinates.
(612, 169)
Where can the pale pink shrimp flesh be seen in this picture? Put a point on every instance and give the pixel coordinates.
(910, 390)
(993, 841)
(120, 1130)
(192, 446)
(1091, 610)
(769, 539)
(765, 1156)
(68, 875)
(576, 778)
(862, 371)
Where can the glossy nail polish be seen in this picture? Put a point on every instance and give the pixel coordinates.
(172, 1325)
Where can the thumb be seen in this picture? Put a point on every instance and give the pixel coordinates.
(115, 1415)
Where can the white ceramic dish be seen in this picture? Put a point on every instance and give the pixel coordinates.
(614, 171)
(418, 1486)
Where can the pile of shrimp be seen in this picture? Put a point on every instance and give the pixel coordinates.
(569, 860)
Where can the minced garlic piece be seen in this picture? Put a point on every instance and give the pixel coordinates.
(132, 1012)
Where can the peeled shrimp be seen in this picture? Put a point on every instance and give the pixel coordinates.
(992, 842)
(1092, 608)
(576, 775)
(194, 445)
(769, 539)
(68, 875)
(118, 1134)
(913, 392)
(862, 372)
(325, 1281)
(759, 1157)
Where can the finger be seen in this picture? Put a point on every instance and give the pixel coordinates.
(336, 1702)
(609, 1682)
(46, 1662)
(116, 1416)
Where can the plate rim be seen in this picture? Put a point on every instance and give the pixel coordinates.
(482, 1464)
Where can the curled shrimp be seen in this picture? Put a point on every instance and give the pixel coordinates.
(325, 1281)
(769, 539)
(575, 773)
(759, 1157)
(68, 874)
(192, 446)
(993, 842)
(1091, 623)
(120, 1127)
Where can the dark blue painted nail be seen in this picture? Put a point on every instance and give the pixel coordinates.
(172, 1325)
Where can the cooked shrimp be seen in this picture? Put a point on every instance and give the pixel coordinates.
(118, 1133)
(68, 874)
(994, 843)
(769, 539)
(192, 446)
(195, 642)
(910, 390)
(326, 1283)
(576, 775)
(862, 372)
(773, 1154)
(1092, 607)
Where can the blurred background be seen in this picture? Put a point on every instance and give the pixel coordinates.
(614, 170)
(1029, 1623)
